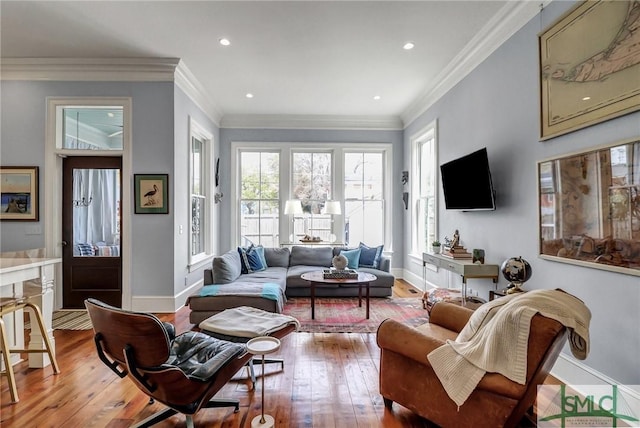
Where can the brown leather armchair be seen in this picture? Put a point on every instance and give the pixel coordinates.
(406, 376)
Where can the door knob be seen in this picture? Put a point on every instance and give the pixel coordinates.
(64, 243)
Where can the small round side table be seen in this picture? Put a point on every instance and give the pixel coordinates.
(261, 346)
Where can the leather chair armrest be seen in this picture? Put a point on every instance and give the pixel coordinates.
(171, 330)
(208, 276)
(450, 316)
(406, 340)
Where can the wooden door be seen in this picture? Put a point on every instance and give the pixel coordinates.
(91, 225)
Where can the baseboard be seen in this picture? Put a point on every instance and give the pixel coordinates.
(576, 374)
(164, 304)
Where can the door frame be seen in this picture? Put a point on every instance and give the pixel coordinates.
(53, 185)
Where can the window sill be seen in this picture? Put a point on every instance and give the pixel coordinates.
(199, 262)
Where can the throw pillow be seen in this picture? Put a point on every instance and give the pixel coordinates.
(353, 256)
(370, 256)
(252, 259)
(227, 267)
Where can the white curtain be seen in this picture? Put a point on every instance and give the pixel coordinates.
(97, 222)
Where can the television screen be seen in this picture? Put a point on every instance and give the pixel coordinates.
(466, 183)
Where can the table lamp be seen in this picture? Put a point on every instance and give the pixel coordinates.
(293, 207)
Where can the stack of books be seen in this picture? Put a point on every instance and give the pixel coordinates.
(339, 274)
(457, 252)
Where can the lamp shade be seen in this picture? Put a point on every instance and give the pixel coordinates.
(293, 206)
(332, 207)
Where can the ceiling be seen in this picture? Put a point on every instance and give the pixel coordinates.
(311, 58)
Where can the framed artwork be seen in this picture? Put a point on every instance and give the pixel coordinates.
(19, 193)
(151, 193)
(589, 66)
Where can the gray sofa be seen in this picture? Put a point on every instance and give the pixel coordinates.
(284, 267)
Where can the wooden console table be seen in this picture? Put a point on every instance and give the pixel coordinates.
(465, 268)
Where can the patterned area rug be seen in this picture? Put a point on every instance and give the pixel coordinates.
(69, 320)
(342, 315)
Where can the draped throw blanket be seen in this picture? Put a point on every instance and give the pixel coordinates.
(496, 337)
(267, 290)
(245, 321)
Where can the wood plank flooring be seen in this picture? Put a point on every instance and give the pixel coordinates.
(329, 380)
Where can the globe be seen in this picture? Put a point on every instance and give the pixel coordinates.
(517, 271)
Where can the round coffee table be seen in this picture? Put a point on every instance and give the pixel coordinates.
(316, 278)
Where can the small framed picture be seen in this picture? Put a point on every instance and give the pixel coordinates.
(151, 193)
(19, 193)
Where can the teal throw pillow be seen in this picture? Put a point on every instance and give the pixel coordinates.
(353, 257)
(252, 259)
(370, 256)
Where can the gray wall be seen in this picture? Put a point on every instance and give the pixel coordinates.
(228, 136)
(497, 106)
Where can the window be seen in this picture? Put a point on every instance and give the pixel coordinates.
(424, 190)
(311, 184)
(200, 190)
(260, 198)
(364, 198)
(91, 128)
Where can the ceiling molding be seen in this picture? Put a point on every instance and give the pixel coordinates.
(188, 82)
(511, 18)
(89, 69)
(267, 121)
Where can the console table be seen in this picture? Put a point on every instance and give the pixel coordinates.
(463, 267)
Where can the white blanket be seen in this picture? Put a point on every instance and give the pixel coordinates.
(245, 321)
(495, 339)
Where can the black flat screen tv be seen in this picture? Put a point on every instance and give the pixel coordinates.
(466, 183)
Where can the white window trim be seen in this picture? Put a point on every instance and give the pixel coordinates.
(416, 140)
(286, 156)
(199, 132)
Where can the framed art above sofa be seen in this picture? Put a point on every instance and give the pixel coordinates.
(589, 207)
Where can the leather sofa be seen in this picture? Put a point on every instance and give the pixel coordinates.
(284, 267)
(407, 378)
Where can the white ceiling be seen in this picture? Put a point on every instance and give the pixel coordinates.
(297, 58)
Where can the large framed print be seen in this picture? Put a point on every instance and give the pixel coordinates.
(589, 66)
(19, 193)
(151, 193)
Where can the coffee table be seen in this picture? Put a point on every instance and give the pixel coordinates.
(316, 278)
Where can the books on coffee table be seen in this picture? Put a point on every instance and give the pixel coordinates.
(339, 274)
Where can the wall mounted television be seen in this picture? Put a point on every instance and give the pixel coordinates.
(466, 183)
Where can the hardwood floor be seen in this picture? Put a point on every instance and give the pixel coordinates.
(329, 380)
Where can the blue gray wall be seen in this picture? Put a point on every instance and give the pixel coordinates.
(496, 106)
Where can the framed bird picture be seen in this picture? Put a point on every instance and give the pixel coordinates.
(151, 193)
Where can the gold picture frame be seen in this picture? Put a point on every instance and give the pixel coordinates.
(19, 193)
(589, 66)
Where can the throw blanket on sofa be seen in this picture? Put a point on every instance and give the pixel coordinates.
(496, 337)
(267, 290)
(245, 321)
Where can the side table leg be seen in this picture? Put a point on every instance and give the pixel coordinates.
(368, 288)
(313, 301)
(359, 295)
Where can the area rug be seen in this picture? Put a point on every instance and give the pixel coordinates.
(68, 320)
(342, 315)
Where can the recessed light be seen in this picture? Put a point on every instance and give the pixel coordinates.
(249, 95)
(224, 41)
(586, 98)
(110, 114)
(376, 97)
(408, 46)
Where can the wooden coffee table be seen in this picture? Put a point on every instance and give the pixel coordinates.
(316, 278)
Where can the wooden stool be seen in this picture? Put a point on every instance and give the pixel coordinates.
(9, 305)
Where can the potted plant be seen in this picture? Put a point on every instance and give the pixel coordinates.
(435, 247)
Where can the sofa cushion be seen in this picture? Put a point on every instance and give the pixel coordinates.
(370, 256)
(277, 257)
(353, 257)
(252, 259)
(318, 256)
(226, 268)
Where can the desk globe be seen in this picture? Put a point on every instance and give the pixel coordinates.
(517, 271)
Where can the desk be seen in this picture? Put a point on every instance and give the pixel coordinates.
(13, 273)
(465, 268)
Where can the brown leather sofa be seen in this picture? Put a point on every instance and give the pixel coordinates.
(407, 378)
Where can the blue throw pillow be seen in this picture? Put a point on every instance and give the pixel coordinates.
(370, 256)
(353, 256)
(252, 259)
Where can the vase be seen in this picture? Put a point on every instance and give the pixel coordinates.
(435, 249)
(340, 262)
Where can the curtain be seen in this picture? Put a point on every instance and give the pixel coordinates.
(97, 222)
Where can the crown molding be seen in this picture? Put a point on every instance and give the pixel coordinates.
(89, 69)
(268, 121)
(511, 18)
(188, 82)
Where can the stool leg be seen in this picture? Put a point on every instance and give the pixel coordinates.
(45, 336)
(13, 390)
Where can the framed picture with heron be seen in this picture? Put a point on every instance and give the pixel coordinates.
(151, 193)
